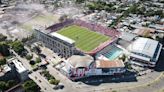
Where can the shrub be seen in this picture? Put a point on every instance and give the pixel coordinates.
(54, 81)
(30, 86)
(2, 61)
(4, 49)
(37, 60)
(18, 47)
(29, 57)
(32, 62)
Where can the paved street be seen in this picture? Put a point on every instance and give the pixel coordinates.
(159, 84)
(67, 83)
(92, 84)
(107, 86)
(42, 82)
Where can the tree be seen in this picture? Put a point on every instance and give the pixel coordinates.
(18, 47)
(36, 49)
(91, 6)
(54, 81)
(123, 58)
(29, 57)
(80, 1)
(38, 60)
(4, 49)
(128, 65)
(6, 85)
(10, 83)
(32, 62)
(3, 86)
(2, 37)
(30, 86)
(2, 61)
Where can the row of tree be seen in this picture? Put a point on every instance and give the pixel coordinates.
(4, 85)
(99, 5)
(31, 86)
(50, 78)
(141, 10)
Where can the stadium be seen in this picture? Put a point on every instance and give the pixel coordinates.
(84, 47)
(89, 38)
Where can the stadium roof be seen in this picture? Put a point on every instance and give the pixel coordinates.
(64, 38)
(144, 46)
(109, 64)
(19, 66)
(80, 61)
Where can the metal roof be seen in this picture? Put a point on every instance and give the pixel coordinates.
(19, 66)
(64, 38)
(80, 61)
(109, 64)
(144, 46)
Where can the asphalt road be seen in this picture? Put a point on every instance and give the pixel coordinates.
(125, 85)
(102, 86)
(154, 87)
(42, 82)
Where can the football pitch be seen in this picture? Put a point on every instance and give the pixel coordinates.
(85, 39)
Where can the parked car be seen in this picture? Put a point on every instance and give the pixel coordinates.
(60, 86)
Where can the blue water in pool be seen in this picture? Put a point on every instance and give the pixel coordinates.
(113, 53)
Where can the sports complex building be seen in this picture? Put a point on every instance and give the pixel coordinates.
(89, 49)
(74, 36)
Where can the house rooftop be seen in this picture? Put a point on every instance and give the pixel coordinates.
(4, 69)
(109, 64)
(19, 66)
(143, 31)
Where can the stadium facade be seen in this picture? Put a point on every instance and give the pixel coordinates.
(65, 46)
(61, 45)
(80, 63)
(100, 60)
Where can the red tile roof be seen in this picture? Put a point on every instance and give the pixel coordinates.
(109, 64)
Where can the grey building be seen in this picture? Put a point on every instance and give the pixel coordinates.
(60, 44)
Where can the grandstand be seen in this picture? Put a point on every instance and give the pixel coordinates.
(89, 38)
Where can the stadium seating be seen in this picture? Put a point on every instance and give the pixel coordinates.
(94, 27)
(58, 26)
(97, 28)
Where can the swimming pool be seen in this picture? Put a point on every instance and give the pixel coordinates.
(113, 53)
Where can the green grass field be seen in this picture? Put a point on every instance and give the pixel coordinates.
(86, 40)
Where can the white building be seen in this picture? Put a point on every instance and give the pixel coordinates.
(106, 67)
(22, 72)
(77, 67)
(145, 51)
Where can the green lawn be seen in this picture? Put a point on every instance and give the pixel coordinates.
(86, 40)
